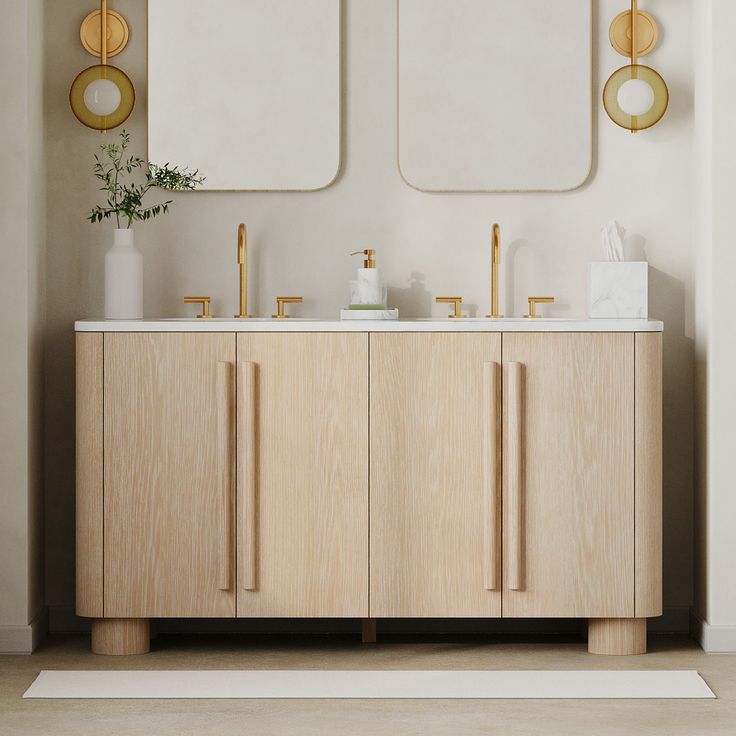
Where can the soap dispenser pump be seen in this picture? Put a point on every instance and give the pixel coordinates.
(368, 291)
(370, 261)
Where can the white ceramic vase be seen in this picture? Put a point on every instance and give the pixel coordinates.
(123, 277)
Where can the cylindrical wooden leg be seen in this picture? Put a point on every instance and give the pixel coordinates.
(369, 631)
(617, 636)
(121, 636)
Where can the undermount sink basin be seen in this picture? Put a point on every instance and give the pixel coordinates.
(237, 319)
(499, 320)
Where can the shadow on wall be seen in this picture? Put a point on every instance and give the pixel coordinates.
(508, 262)
(539, 264)
(667, 303)
(413, 301)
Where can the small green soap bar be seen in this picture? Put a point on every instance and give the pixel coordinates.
(367, 306)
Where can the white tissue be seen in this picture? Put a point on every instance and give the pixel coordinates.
(612, 235)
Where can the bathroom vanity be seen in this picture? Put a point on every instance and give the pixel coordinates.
(431, 468)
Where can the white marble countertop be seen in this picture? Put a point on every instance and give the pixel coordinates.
(265, 324)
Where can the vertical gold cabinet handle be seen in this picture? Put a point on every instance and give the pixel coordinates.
(225, 471)
(247, 470)
(491, 434)
(515, 475)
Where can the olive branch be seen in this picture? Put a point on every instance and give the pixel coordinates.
(125, 200)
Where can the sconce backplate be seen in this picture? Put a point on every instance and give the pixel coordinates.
(117, 33)
(620, 33)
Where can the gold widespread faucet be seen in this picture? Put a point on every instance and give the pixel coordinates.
(243, 263)
(204, 301)
(457, 301)
(280, 301)
(495, 263)
(533, 301)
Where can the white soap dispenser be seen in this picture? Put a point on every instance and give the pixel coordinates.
(368, 291)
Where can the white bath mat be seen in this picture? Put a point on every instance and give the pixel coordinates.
(368, 684)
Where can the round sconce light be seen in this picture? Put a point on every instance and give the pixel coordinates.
(635, 96)
(102, 96)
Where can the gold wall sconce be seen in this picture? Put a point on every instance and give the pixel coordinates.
(635, 96)
(102, 96)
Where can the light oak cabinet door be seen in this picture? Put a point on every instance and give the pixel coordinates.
(302, 474)
(568, 477)
(434, 469)
(168, 474)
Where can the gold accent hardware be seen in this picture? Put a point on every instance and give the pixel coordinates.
(533, 301)
(280, 301)
(243, 263)
(204, 301)
(643, 31)
(103, 32)
(634, 32)
(110, 42)
(370, 261)
(495, 263)
(90, 33)
(457, 301)
(621, 33)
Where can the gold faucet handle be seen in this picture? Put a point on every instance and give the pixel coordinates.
(204, 301)
(280, 301)
(457, 301)
(533, 301)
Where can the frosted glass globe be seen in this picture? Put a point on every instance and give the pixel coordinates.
(635, 97)
(102, 97)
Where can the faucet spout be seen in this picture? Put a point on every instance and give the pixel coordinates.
(242, 243)
(495, 263)
(243, 263)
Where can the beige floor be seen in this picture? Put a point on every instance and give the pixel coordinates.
(354, 717)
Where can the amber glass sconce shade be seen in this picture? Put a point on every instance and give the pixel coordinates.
(102, 96)
(635, 96)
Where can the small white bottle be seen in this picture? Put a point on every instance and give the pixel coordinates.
(368, 291)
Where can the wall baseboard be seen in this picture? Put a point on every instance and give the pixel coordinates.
(712, 638)
(24, 639)
(675, 620)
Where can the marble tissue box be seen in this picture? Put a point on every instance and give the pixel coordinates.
(619, 290)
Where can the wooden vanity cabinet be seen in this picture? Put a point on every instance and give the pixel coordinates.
(168, 412)
(568, 481)
(435, 415)
(565, 469)
(302, 499)
(369, 474)
(220, 476)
